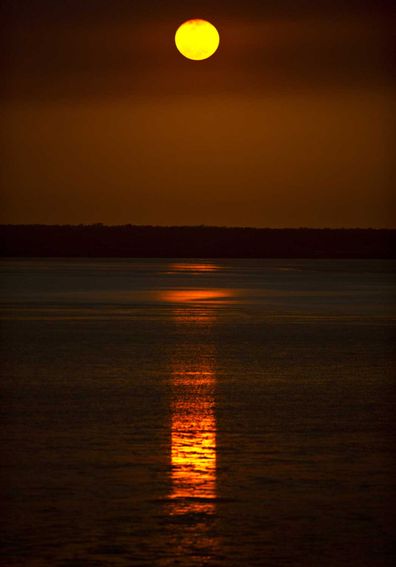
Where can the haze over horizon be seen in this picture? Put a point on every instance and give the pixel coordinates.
(289, 124)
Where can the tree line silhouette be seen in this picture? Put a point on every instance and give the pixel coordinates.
(98, 240)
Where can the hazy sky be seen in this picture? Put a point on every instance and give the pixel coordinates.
(289, 124)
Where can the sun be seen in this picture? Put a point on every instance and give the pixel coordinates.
(197, 39)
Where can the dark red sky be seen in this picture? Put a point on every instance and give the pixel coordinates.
(289, 124)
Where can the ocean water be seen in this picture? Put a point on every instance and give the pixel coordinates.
(197, 412)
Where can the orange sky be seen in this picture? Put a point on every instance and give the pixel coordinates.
(289, 124)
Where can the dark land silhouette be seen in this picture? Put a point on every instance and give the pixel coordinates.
(130, 241)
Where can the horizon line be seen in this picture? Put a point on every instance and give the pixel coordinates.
(194, 226)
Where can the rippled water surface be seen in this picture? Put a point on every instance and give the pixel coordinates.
(208, 412)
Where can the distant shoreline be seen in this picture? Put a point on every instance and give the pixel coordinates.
(141, 241)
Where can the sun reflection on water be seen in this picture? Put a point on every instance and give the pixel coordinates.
(193, 441)
(195, 295)
(193, 422)
(194, 306)
(194, 267)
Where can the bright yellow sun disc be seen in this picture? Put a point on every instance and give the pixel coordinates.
(197, 39)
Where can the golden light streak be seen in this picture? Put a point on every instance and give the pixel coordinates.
(193, 441)
(187, 295)
(194, 267)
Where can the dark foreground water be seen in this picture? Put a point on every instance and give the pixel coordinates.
(225, 413)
